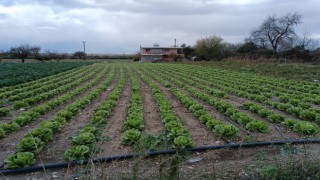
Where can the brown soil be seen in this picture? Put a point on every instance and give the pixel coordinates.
(151, 114)
(61, 140)
(115, 125)
(9, 143)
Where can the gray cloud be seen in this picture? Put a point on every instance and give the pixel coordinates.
(120, 26)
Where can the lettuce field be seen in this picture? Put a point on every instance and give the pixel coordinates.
(92, 110)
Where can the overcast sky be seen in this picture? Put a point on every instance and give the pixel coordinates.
(121, 26)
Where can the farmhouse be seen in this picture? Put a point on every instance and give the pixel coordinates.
(157, 53)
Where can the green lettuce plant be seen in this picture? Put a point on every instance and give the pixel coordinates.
(77, 153)
(130, 136)
(30, 144)
(19, 160)
(182, 142)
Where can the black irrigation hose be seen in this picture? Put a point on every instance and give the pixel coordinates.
(152, 154)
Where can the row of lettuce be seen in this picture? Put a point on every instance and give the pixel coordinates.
(32, 114)
(193, 86)
(35, 141)
(28, 96)
(17, 73)
(187, 80)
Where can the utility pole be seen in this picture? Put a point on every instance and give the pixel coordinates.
(84, 49)
(175, 42)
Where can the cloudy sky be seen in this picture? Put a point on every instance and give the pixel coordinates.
(121, 26)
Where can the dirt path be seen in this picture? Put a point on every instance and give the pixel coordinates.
(9, 143)
(62, 140)
(199, 132)
(114, 126)
(151, 114)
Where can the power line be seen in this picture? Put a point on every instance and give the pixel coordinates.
(84, 49)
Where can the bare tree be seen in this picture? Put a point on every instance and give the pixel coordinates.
(55, 55)
(276, 32)
(24, 51)
(79, 55)
(307, 42)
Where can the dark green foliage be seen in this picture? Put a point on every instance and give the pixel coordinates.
(16, 73)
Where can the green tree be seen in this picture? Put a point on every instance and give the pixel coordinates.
(210, 48)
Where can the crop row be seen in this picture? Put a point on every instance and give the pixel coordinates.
(176, 131)
(45, 95)
(83, 144)
(55, 83)
(25, 87)
(219, 128)
(226, 108)
(32, 114)
(15, 73)
(34, 141)
(304, 110)
(301, 127)
(134, 123)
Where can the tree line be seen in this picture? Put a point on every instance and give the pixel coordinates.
(275, 38)
(33, 52)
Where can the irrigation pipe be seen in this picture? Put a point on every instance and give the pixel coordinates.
(152, 154)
